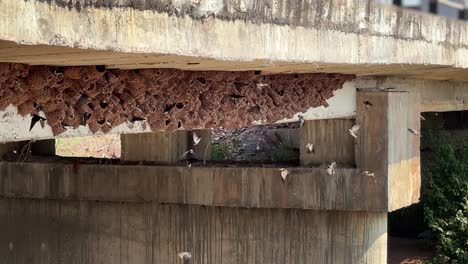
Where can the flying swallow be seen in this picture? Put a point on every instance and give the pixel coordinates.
(331, 168)
(368, 104)
(185, 257)
(35, 119)
(186, 153)
(352, 131)
(414, 132)
(301, 120)
(196, 138)
(284, 173)
(310, 148)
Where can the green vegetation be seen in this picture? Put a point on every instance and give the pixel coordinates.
(445, 198)
(219, 152)
(283, 153)
(224, 151)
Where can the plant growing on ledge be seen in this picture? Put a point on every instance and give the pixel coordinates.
(446, 202)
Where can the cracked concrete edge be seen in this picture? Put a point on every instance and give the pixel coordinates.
(346, 32)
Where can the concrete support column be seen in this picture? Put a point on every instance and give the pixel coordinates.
(164, 147)
(388, 148)
(57, 231)
(333, 143)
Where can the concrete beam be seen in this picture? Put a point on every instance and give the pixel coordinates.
(248, 187)
(434, 96)
(353, 36)
(52, 232)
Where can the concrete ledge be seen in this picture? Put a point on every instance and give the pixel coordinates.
(434, 96)
(251, 187)
(278, 36)
(53, 232)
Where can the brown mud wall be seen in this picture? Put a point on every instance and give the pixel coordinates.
(168, 99)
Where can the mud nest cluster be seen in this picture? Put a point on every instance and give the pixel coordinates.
(167, 99)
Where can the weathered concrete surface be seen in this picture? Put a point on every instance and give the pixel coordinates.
(247, 187)
(433, 96)
(328, 35)
(332, 142)
(162, 146)
(50, 232)
(386, 148)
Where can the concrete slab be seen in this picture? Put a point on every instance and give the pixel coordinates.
(352, 36)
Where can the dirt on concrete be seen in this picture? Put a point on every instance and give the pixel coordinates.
(167, 99)
(409, 251)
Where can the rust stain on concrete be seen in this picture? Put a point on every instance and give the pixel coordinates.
(168, 99)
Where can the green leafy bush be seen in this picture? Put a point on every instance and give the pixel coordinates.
(283, 153)
(219, 152)
(445, 199)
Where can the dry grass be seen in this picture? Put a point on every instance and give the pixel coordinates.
(98, 146)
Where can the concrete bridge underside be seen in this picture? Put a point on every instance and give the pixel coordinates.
(200, 64)
(350, 37)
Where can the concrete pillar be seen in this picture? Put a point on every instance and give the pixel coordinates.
(333, 143)
(58, 231)
(387, 148)
(164, 147)
(147, 214)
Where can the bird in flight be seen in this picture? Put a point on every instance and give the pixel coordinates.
(331, 168)
(352, 131)
(35, 119)
(301, 120)
(284, 173)
(196, 138)
(368, 104)
(414, 132)
(185, 257)
(190, 151)
(310, 148)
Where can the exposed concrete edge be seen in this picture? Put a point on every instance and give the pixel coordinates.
(250, 187)
(434, 96)
(382, 35)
